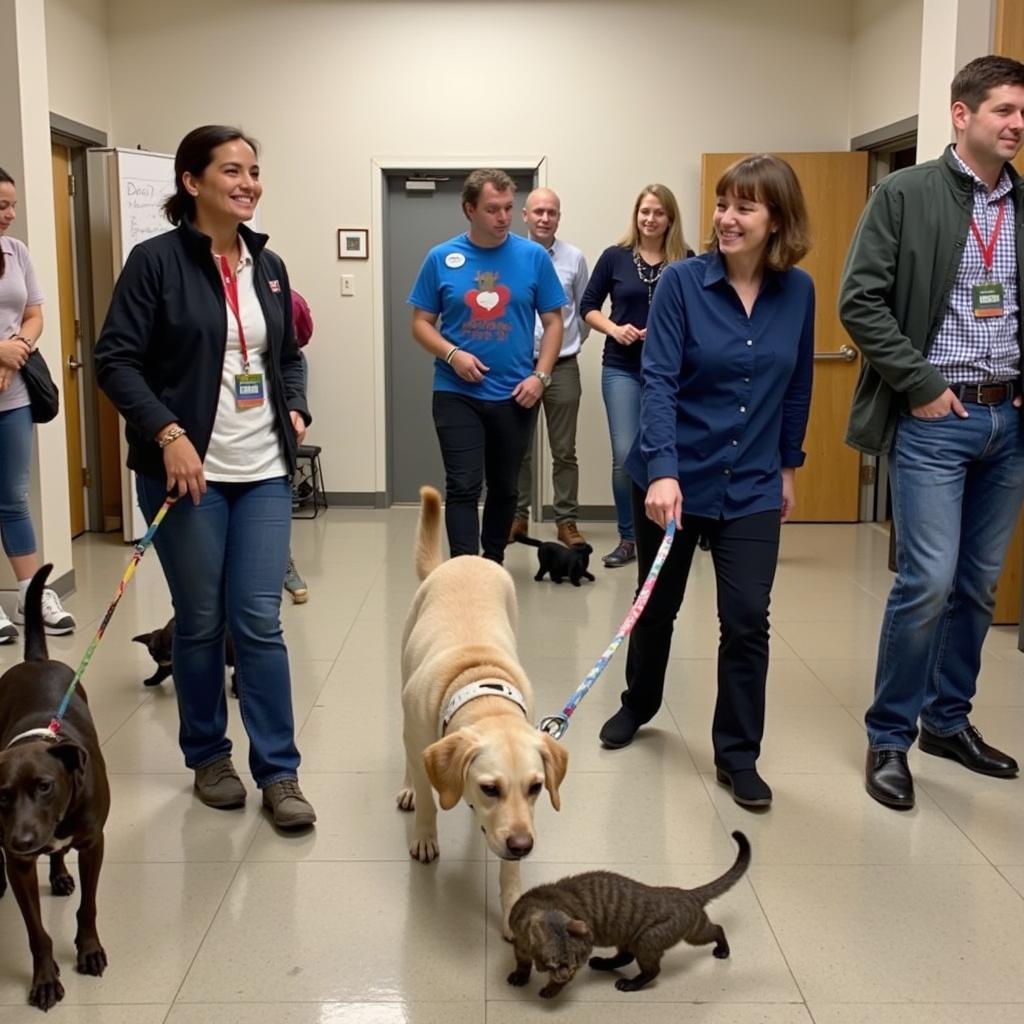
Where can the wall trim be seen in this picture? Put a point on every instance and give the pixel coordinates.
(356, 499)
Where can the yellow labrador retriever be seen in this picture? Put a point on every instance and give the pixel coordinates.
(468, 707)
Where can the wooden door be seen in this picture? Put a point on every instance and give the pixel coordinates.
(835, 188)
(68, 337)
(1009, 41)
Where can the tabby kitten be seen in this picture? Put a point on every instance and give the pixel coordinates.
(557, 926)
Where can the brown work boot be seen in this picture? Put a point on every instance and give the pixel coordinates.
(218, 785)
(569, 534)
(288, 806)
(520, 528)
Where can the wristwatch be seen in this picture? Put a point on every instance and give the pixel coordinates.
(544, 378)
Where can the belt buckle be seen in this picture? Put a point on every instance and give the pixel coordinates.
(992, 394)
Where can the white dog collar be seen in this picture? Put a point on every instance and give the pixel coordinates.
(481, 688)
(38, 734)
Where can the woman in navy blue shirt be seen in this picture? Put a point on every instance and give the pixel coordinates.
(726, 394)
(629, 272)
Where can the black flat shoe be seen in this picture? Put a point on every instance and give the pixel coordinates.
(748, 788)
(971, 751)
(620, 729)
(887, 778)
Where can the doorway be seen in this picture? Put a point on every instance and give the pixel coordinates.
(73, 316)
(421, 209)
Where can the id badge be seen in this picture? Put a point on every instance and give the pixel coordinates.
(248, 390)
(987, 299)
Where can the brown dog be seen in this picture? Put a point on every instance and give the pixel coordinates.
(468, 707)
(53, 794)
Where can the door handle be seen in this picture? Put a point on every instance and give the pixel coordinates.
(74, 364)
(846, 354)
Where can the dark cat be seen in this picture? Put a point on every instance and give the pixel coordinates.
(556, 926)
(159, 643)
(559, 561)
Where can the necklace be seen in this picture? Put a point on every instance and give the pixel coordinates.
(648, 275)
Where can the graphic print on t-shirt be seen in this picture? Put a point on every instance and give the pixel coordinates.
(487, 303)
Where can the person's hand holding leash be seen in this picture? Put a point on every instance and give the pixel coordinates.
(664, 502)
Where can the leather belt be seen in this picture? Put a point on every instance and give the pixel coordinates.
(987, 394)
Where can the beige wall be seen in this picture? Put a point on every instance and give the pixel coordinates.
(613, 95)
(78, 66)
(886, 59)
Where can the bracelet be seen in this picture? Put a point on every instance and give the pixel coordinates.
(451, 355)
(172, 435)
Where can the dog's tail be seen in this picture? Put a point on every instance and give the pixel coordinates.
(526, 539)
(720, 886)
(428, 535)
(35, 631)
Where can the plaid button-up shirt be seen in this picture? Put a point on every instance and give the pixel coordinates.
(976, 350)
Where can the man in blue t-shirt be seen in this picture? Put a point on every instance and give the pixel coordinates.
(486, 287)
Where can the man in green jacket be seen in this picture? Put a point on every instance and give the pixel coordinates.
(931, 295)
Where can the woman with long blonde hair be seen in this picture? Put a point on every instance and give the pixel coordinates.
(628, 273)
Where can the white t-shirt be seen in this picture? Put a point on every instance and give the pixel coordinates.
(18, 289)
(244, 445)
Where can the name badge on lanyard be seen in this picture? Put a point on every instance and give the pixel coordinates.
(987, 297)
(249, 390)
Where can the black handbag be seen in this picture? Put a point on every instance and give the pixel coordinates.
(43, 396)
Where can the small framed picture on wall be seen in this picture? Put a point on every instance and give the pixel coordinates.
(353, 243)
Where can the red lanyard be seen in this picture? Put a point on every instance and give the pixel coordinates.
(230, 283)
(988, 252)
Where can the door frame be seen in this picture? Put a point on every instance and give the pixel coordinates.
(79, 138)
(879, 144)
(380, 168)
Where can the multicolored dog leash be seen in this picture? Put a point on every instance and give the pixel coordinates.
(556, 725)
(137, 553)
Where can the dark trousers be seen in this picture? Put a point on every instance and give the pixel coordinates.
(745, 553)
(480, 442)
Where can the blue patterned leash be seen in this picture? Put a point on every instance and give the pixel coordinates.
(556, 725)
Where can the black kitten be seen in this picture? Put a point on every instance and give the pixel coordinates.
(556, 926)
(559, 561)
(159, 644)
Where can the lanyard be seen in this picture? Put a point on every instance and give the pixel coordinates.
(988, 252)
(230, 283)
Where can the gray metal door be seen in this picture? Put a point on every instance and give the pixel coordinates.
(414, 221)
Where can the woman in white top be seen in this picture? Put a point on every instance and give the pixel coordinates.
(21, 323)
(198, 354)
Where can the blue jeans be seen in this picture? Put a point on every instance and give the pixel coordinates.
(620, 390)
(15, 466)
(957, 487)
(224, 560)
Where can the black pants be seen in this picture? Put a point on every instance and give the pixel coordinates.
(480, 441)
(745, 552)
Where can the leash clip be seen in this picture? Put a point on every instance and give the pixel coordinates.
(554, 725)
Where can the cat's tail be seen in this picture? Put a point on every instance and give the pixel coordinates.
(526, 539)
(428, 536)
(706, 893)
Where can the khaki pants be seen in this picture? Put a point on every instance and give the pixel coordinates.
(561, 403)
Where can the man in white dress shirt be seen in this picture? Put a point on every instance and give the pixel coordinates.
(561, 400)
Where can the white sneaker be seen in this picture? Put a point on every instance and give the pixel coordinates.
(8, 631)
(56, 621)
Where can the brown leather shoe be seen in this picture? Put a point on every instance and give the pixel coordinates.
(520, 528)
(290, 809)
(218, 785)
(569, 534)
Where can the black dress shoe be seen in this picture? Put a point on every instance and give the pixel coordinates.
(748, 788)
(888, 779)
(967, 747)
(620, 729)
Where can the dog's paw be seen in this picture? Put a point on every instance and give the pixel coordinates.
(550, 990)
(406, 799)
(518, 978)
(62, 884)
(506, 932)
(424, 849)
(46, 990)
(92, 960)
